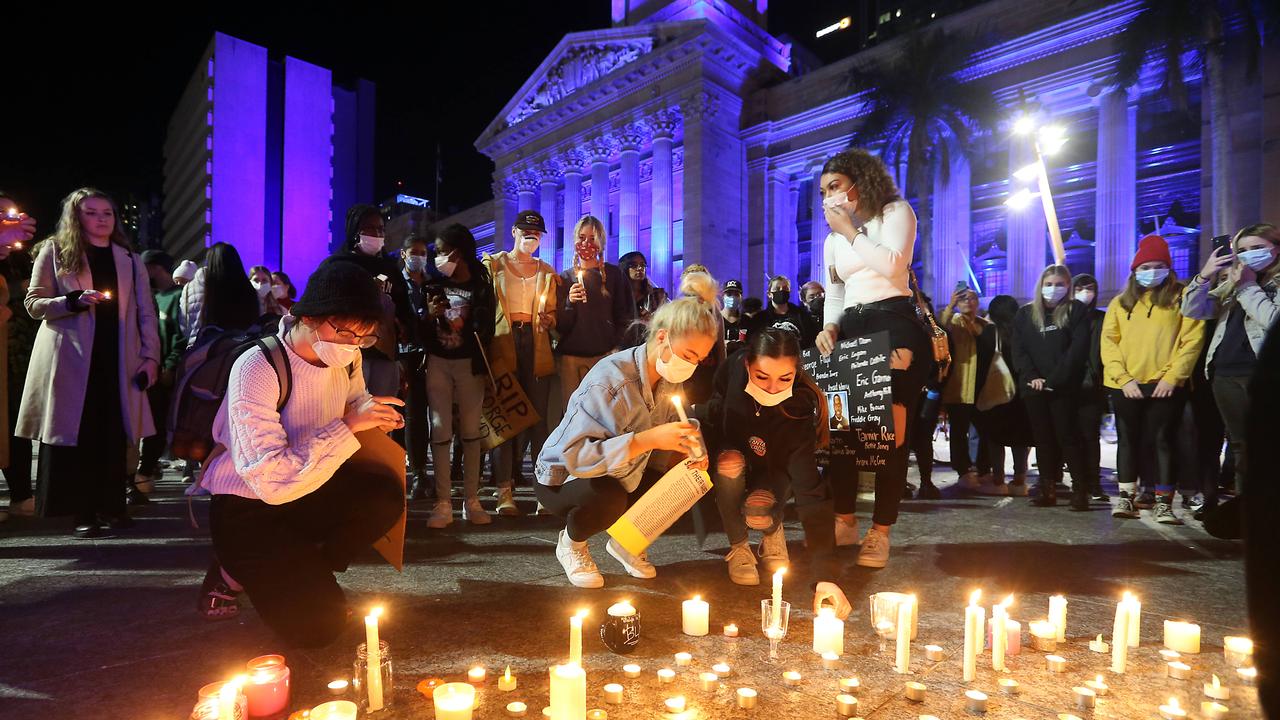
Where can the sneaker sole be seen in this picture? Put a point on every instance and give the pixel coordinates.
(631, 570)
(873, 564)
(746, 582)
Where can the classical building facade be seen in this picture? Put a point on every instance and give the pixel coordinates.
(687, 131)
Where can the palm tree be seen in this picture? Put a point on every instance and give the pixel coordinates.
(920, 111)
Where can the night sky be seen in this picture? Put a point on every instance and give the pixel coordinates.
(89, 95)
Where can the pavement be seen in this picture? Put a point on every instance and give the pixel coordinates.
(108, 627)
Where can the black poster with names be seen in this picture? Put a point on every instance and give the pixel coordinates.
(857, 383)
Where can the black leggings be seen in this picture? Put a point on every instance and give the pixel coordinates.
(922, 436)
(1146, 423)
(1054, 425)
(897, 317)
(1090, 408)
(962, 417)
(589, 505)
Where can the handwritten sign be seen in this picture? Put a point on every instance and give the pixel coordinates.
(506, 411)
(857, 383)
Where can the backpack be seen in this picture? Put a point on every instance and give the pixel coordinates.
(202, 379)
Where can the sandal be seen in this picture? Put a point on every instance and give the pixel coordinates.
(217, 600)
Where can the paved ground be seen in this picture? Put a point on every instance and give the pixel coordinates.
(107, 628)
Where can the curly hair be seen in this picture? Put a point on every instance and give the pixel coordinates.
(870, 178)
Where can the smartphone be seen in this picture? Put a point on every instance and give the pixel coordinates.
(962, 285)
(1220, 242)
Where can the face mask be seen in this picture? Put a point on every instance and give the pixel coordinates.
(587, 249)
(280, 291)
(371, 244)
(1151, 278)
(730, 302)
(415, 263)
(816, 305)
(1086, 297)
(780, 297)
(1256, 259)
(263, 289)
(835, 199)
(1053, 293)
(529, 244)
(765, 398)
(445, 265)
(335, 354)
(677, 369)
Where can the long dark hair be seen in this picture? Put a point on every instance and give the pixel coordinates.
(460, 239)
(774, 343)
(1002, 310)
(355, 215)
(870, 178)
(229, 300)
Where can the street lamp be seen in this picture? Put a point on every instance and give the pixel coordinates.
(1045, 140)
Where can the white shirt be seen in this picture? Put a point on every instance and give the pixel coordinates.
(873, 265)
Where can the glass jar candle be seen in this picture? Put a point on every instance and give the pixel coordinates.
(361, 679)
(268, 688)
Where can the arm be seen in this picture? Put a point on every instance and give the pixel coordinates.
(1197, 303)
(593, 440)
(1185, 352)
(1069, 372)
(1255, 303)
(1113, 368)
(890, 253)
(834, 305)
(43, 301)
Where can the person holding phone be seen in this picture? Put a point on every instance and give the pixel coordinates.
(1149, 350)
(94, 357)
(973, 347)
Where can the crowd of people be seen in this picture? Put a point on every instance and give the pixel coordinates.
(408, 341)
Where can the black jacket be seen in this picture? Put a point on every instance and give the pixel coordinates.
(1093, 363)
(1055, 354)
(797, 320)
(597, 326)
(406, 318)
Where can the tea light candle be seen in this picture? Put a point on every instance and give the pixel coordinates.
(1098, 686)
(1178, 670)
(722, 670)
(915, 691)
(850, 686)
(1237, 650)
(454, 701)
(975, 701)
(1182, 636)
(1055, 663)
(339, 687)
(598, 715)
(694, 616)
(1170, 655)
(334, 710)
(426, 687)
(708, 681)
(1217, 690)
(517, 709)
(1172, 711)
(613, 694)
(631, 671)
(933, 653)
(830, 660)
(731, 630)
(791, 678)
(1098, 645)
(683, 659)
(1213, 711)
(675, 705)
(747, 698)
(1086, 698)
(846, 705)
(666, 675)
(476, 675)
(507, 682)
(1248, 676)
(1044, 636)
(1009, 686)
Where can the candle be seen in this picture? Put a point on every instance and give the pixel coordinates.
(613, 694)
(1182, 636)
(1120, 637)
(1098, 686)
(1008, 686)
(973, 615)
(1044, 635)
(884, 609)
(792, 678)
(338, 687)
(507, 682)
(915, 691)
(675, 704)
(1237, 650)
(830, 660)
(228, 699)
(747, 698)
(708, 681)
(1178, 670)
(1217, 690)
(775, 621)
(568, 692)
(427, 687)
(683, 659)
(1098, 646)
(106, 294)
(666, 675)
(1172, 711)
(975, 701)
(1058, 615)
(828, 632)
(1013, 638)
(631, 671)
(575, 638)
(694, 616)
(1248, 676)
(267, 691)
(517, 709)
(335, 710)
(933, 653)
(373, 656)
(731, 630)
(1135, 620)
(598, 715)
(1086, 698)
(1213, 711)
(1170, 655)
(454, 701)
(846, 705)
(850, 686)
(904, 636)
(476, 675)
(722, 670)
(1056, 663)
(999, 633)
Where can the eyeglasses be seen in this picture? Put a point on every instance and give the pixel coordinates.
(349, 338)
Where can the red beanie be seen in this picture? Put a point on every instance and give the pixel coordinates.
(1152, 248)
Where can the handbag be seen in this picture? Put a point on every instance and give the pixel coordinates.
(937, 336)
(999, 387)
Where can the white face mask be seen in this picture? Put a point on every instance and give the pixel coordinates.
(371, 244)
(1085, 296)
(1259, 259)
(677, 369)
(529, 244)
(415, 263)
(263, 289)
(280, 291)
(445, 265)
(1053, 293)
(1151, 278)
(766, 398)
(835, 200)
(335, 354)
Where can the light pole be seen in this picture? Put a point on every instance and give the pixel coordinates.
(1045, 140)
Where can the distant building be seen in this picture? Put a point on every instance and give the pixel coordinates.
(266, 155)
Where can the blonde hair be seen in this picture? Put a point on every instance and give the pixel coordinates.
(699, 284)
(1267, 232)
(1060, 313)
(68, 239)
(594, 223)
(689, 315)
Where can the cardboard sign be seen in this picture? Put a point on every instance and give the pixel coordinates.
(380, 454)
(506, 411)
(857, 382)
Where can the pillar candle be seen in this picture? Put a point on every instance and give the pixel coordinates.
(454, 701)
(568, 692)
(1120, 638)
(373, 656)
(1237, 650)
(776, 620)
(575, 638)
(904, 636)
(828, 632)
(972, 635)
(695, 616)
(613, 694)
(1182, 636)
(1135, 620)
(1058, 615)
(999, 633)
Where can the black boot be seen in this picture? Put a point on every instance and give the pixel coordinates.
(1079, 497)
(929, 491)
(818, 520)
(1047, 495)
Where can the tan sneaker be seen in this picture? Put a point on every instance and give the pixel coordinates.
(773, 551)
(846, 531)
(474, 513)
(441, 515)
(506, 502)
(742, 565)
(875, 550)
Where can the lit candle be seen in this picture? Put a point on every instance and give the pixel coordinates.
(267, 690)
(884, 609)
(904, 636)
(1248, 676)
(915, 691)
(694, 616)
(1044, 636)
(1182, 636)
(666, 675)
(1217, 690)
(568, 692)
(1086, 698)
(1058, 615)
(850, 686)
(373, 657)
(722, 670)
(106, 294)
(708, 681)
(975, 701)
(1008, 686)
(973, 615)
(1120, 637)
(1214, 711)
(507, 682)
(476, 675)
(683, 659)
(426, 687)
(731, 630)
(613, 694)
(775, 621)
(1098, 686)
(675, 705)
(1055, 663)
(332, 710)
(598, 715)
(830, 660)
(338, 687)
(1135, 620)
(228, 698)
(999, 633)
(454, 701)
(1012, 638)
(1170, 655)
(1178, 670)
(828, 632)
(846, 705)
(1237, 650)
(517, 709)
(747, 698)
(575, 638)
(933, 653)
(1098, 646)
(1172, 711)
(792, 678)
(631, 671)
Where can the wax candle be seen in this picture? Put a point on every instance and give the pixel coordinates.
(336, 710)
(675, 705)
(828, 632)
(666, 675)
(708, 681)
(1120, 637)
(775, 621)
(1170, 655)
(631, 670)
(1237, 650)
(1248, 676)
(792, 678)
(830, 660)
(568, 692)
(1055, 663)
(694, 616)
(1098, 686)
(373, 657)
(575, 638)
(1058, 616)
(339, 687)
(1098, 646)
(1178, 670)
(228, 699)
(904, 636)
(1013, 638)
(476, 675)
(1214, 711)
(884, 609)
(846, 705)
(1172, 711)
(684, 418)
(1008, 686)
(915, 691)
(1135, 620)
(683, 659)
(722, 670)
(517, 709)
(613, 694)
(972, 635)
(598, 715)
(267, 689)
(1182, 636)
(731, 630)
(1217, 690)
(747, 698)
(507, 682)
(933, 653)
(1044, 636)
(1086, 698)
(999, 634)
(850, 686)
(454, 701)
(975, 701)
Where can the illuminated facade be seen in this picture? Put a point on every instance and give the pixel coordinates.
(685, 128)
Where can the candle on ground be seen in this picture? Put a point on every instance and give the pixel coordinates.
(1008, 686)
(613, 694)
(575, 638)
(708, 681)
(507, 682)
(427, 686)
(747, 698)
(828, 632)
(675, 704)
(1086, 698)
(373, 659)
(1120, 637)
(683, 659)
(775, 619)
(999, 633)
(731, 630)
(476, 675)
(1098, 686)
(1044, 636)
(694, 616)
(517, 709)
(631, 670)
(975, 701)
(1098, 646)
(1055, 663)
(1058, 615)
(1170, 655)
(568, 692)
(792, 678)
(666, 675)
(1248, 676)
(339, 687)
(1217, 690)
(1172, 711)
(267, 688)
(850, 686)
(454, 701)
(915, 691)
(1214, 711)
(333, 710)
(933, 653)
(228, 699)
(598, 715)
(1237, 650)
(846, 705)
(1135, 620)
(1182, 636)
(722, 670)
(830, 660)
(972, 636)
(904, 635)
(1178, 670)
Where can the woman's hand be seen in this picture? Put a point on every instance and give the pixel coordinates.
(378, 414)
(828, 592)
(1163, 390)
(546, 320)
(1132, 391)
(91, 297)
(674, 436)
(1037, 384)
(577, 293)
(840, 220)
(1218, 260)
(152, 370)
(826, 340)
(1241, 273)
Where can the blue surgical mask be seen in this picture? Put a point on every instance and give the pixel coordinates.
(415, 263)
(1151, 278)
(730, 302)
(1053, 293)
(1259, 259)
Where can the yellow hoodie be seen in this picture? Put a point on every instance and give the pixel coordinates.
(1149, 344)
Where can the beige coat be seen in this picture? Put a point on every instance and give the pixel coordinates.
(53, 397)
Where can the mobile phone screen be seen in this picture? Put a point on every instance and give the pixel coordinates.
(1221, 241)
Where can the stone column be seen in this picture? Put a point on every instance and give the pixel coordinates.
(714, 181)
(549, 181)
(951, 223)
(601, 149)
(663, 126)
(504, 210)
(1116, 208)
(779, 253)
(818, 232)
(573, 163)
(1027, 238)
(630, 139)
(527, 187)
(792, 232)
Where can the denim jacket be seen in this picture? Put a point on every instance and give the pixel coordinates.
(613, 403)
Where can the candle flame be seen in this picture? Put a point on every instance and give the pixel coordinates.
(974, 596)
(1099, 680)
(780, 573)
(697, 598)
(507, 675)
(376, 611)
(675, 400)
(1128, 595)
(1173, 702)
(1007, 602)
(1216, 682)
(1099, 640)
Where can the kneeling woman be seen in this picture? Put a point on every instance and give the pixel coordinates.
(619, 415)
(763, 423)
(288, 511)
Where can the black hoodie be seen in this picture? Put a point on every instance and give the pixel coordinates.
(1055, 354)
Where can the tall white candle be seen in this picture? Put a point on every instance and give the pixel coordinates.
(695, 616)
(568, 692)
(1135, 619)
(828, 632)
(1182, 636)
(1058, 615)
(1120, 637)
(972, 635)
(999, 635)
(575, 638)
(776, 620)
(904, 635)
(373, 657)
(684, 418)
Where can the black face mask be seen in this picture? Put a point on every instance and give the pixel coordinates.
(816, 305)
(780, 297)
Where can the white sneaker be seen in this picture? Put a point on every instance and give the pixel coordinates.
(773, 551)
(742, 565)
(441, 515)
(542, 510)
(875, 550)
(473, 512)
(576, 560)
(637, 566)
(506, 503)
(846, 532)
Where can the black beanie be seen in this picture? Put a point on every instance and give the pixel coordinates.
(340, 288)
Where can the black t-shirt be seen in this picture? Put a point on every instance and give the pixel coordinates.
(452, 334)
(796, 320)
(1234, 356)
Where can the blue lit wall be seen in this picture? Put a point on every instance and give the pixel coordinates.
(238, 206)
(308, 166)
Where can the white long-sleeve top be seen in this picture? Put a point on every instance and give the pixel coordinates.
(280, 457)
(873, 265)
